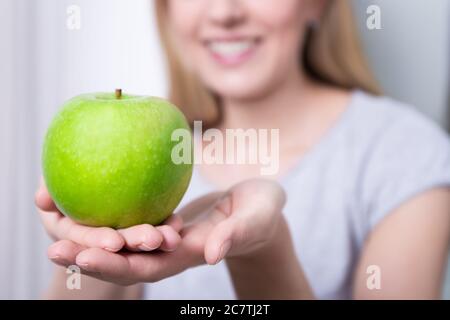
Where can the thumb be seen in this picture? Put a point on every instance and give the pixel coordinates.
(219, 242)
(43, 200)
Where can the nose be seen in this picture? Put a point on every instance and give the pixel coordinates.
(226, 13)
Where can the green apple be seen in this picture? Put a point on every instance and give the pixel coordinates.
(107, 160)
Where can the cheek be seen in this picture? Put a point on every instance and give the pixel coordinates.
(284, 28)
(184, 17)
(284, 24)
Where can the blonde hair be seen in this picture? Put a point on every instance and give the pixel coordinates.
(332, 54)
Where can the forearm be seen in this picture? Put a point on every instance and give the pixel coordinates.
(271, 273)
(91, 289)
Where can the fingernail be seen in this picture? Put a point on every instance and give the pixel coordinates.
(83, 264)
(55, 257)
(146, 247)
(226, 246)
(111, 249)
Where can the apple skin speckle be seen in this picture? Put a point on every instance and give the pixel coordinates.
(107, 162)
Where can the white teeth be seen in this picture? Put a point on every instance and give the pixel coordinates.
(230, 48)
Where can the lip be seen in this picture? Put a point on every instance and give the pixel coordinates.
(232, 50)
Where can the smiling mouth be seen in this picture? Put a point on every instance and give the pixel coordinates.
(232, 52)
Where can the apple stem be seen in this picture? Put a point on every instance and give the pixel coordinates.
(118, 93)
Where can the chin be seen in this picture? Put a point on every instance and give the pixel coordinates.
(243, 91)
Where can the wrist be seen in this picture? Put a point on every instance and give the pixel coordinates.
(273, 272)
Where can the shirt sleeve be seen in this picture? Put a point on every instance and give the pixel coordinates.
(411, 156)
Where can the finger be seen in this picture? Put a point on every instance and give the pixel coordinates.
(64, 252)
(103, 237)
(171, 238)
(50, 218)
(106, 265)
(43, 199)
(129, 268)
(175, 221)
(159, 265)
(65, 228)
(220, 241)
(143, 237)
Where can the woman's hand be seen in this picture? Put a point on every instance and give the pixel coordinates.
(72, 238)
(239, 222)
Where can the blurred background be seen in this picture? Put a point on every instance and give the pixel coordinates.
(43, 62)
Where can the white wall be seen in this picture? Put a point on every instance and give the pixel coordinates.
(410, 54)
(43, 64)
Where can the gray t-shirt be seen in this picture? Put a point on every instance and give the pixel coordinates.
(377, 156)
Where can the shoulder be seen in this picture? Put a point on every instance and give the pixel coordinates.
(389, 125)
(402, 152)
